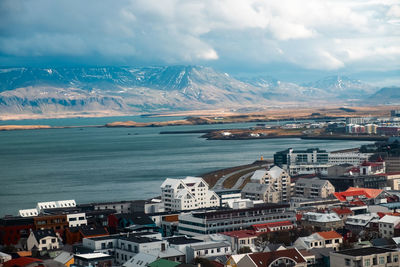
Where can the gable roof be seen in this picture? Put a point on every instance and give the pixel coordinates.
(329, 235)
(39, 234)
(258, 175)
(263, 259)
(275, 172)
(341, 211)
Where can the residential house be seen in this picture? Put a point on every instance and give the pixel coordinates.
(76, 234)
(387, 225)
(43, 240)
(366, 195)
(343, 212)
(327, 239)
(241, 238)
(208, 249)
(322, 221)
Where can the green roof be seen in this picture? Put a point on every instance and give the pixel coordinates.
(164, 263)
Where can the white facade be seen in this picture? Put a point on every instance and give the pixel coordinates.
(28, 213)
(350, 158)
(42, 240)
(56, 204)
(76, 219)
(309, 169)
(387, 224)
(187, 194)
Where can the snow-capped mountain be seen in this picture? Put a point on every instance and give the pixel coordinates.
(126, 89)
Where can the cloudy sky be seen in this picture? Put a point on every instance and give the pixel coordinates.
(282, 36)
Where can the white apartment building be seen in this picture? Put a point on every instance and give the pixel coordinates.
(76, 219)
(188, 194)
(353, 158)
(47, 205)
(313, 188)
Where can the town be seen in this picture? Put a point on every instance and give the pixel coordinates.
(305, 207)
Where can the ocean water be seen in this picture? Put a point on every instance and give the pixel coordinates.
(106, 164)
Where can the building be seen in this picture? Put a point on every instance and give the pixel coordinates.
(13, 228)
(227, 196)
(313, 188)
(361, 222)
(320, 169)
(353, 158)
(343, 212)
(241, 238)
(285, 257)
(366, 195)
(301, 157)
(342, 183)
(58, 223)
(273, 227)
(392, 179)
(93, 259)
(76, 234)
(328, 239)
(199, 223)
(270, 186)
(369, 256)
(322, 221)
(387, 225)
(131, 221)
(187, 194)
(43, 240)
(209, 249)
(41, 206)
(4, 257)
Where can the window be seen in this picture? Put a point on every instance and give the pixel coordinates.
(381, 260)
(347, 262)
(72, 219)
(367, 262)
(53, 240)
(43, 241)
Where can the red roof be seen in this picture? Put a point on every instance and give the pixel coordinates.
(20, 262)
(272, 224)
(241, 233)
(372, 164)
(340, 211)
(357, 203)
(329, 235)
(382, 214)
(299, 216)
(388, 173)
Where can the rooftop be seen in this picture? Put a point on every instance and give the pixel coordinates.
(241, 233)
(96, 255)
(329, 235)
(364, 251)
(181, 240)
(208, 245)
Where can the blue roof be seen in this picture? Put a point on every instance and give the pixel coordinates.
(392, 205)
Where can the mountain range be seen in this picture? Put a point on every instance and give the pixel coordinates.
(123, 90)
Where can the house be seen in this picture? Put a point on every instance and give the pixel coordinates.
(140, 259)
(323, 221)
(387, 225)
(208, 250)
(343, 212)
(369, 256)
(65, 258)
(93, 259)
(273, 227)
(43, 240)
(313, 188)
(4, 257)
(287, 257)
(187, 194)
(233, 260)
(360, 222)
(327, 239)
(366, 195)
(241, 238)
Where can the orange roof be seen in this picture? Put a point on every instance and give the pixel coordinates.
(329, 235)
(272, 224)
(382, 214)
(241, 233)
(355, 191)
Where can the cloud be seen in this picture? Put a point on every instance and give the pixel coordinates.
(313, 34)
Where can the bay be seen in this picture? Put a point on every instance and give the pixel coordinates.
(107, 164)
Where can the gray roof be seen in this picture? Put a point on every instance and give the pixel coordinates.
(255, 188)
(210, 245)
(64, 257)
(39, 234)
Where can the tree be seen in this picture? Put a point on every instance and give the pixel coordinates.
(244, 250)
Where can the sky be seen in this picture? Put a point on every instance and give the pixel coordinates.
(280, 37)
